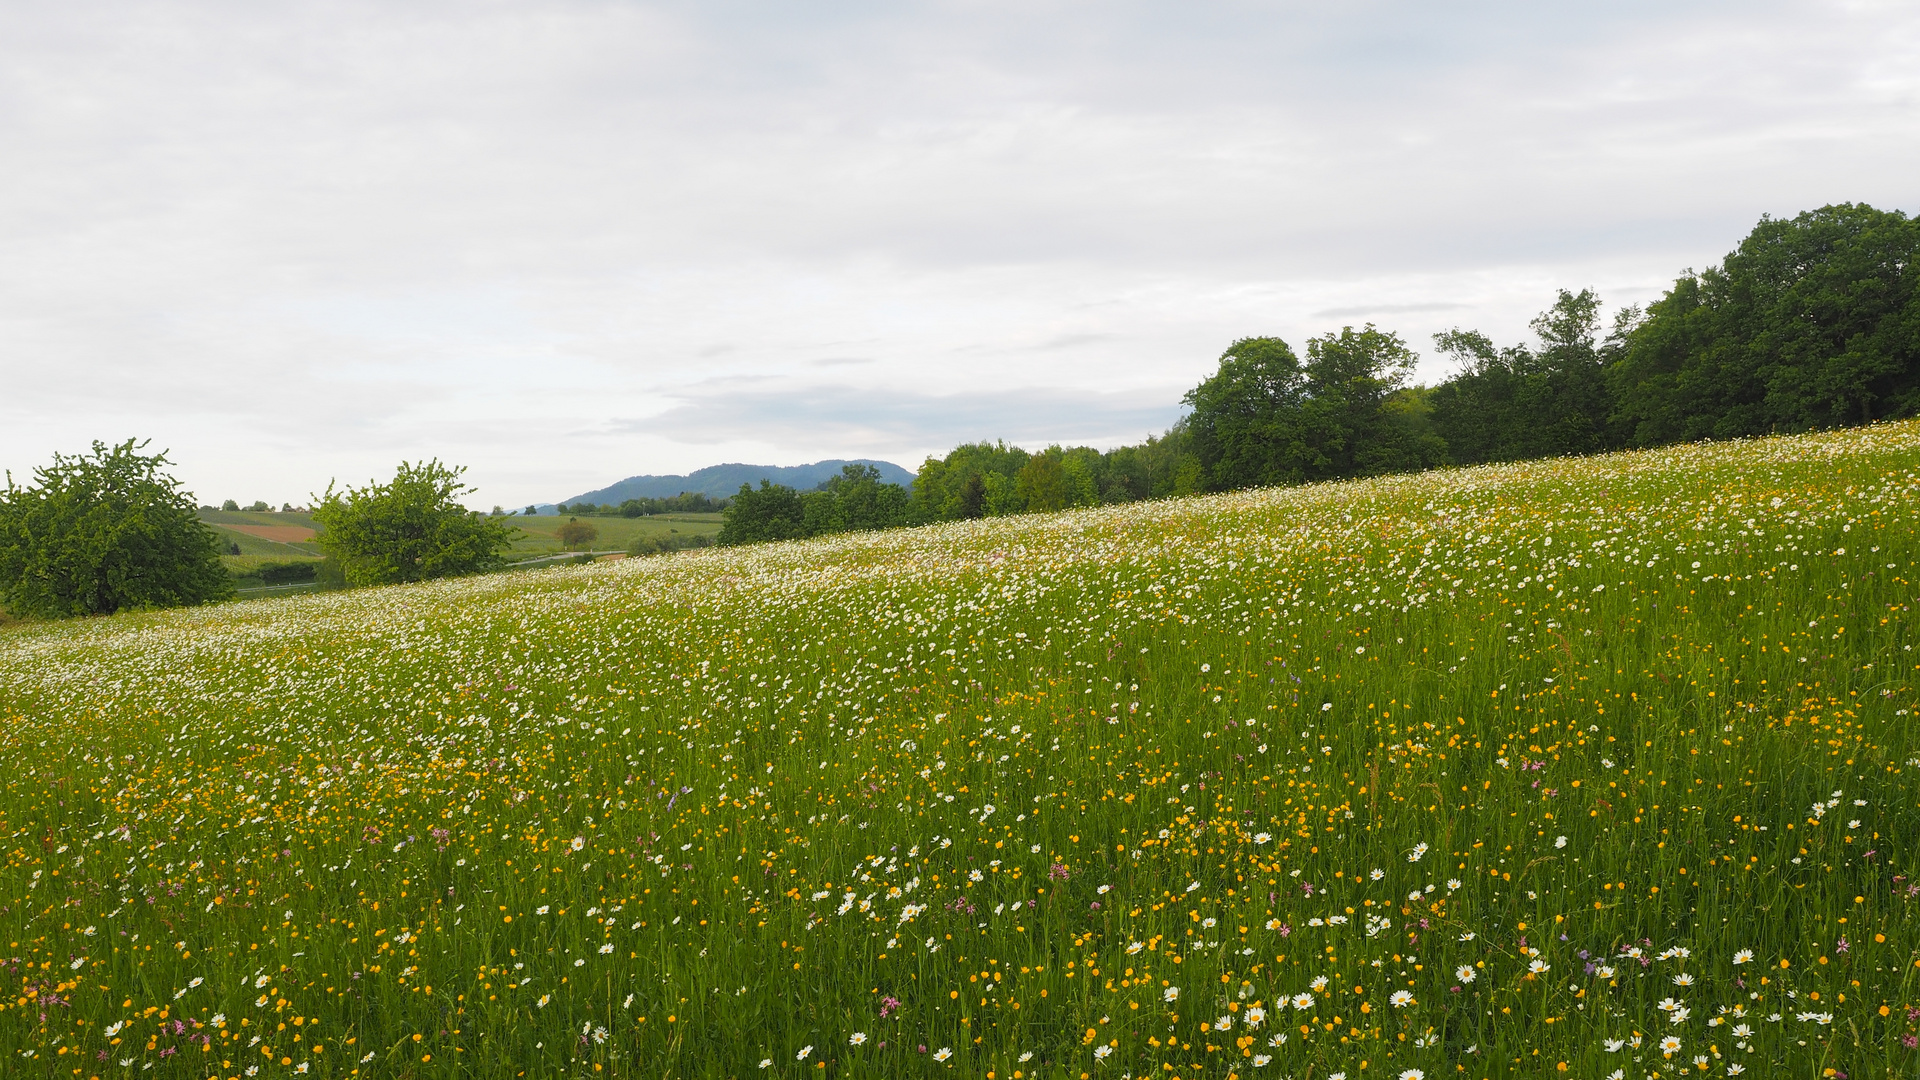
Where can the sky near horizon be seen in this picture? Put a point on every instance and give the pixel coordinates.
(562, 243)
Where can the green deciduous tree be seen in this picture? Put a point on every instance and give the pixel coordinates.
(410, 529)
(854, 501)
(1042, 484)
(578, 534)
(1812, 322)
(1246, 424)
(1350, 428)
(102, 532)
(1265, 418)
(774, 512)
(963, 485)
(1520, 402)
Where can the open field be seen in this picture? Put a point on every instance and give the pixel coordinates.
(280, 534)
(616, 533)
(268, 536)
(273, 537)
(1602, 768)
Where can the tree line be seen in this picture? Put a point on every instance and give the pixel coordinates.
(1813, 322)
(687, 502)
(854, 501)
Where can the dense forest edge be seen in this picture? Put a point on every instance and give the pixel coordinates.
(1811, 323)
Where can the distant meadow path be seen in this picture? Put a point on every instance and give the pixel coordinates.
(1596, 767)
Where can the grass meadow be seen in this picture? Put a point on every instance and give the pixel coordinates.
(1600, 768)
(541, 534)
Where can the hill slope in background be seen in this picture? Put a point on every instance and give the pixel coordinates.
(1003, 780)
(720, 481)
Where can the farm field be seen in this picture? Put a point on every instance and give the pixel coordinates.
(1601, 768)
(264, 537)
(539, 534)
(275, 537)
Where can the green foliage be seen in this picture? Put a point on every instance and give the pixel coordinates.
(1042, 484)
(1264, 418)
(856, 501)
(410, 529)
(668, 543)
(773, 512)
(253, 571)
(1246, 417)
(1812, 322)
(230, 505)
(578, 534)
(687, 502)
(961, 484)
(102, 532)
(994, 479)
(1515, 403)
(853, 501)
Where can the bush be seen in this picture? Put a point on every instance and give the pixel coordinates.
(410, 529)
(288, 573)
(578, 534)
(105, 531)
(667, 545)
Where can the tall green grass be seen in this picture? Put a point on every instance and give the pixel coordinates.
(1491, 772)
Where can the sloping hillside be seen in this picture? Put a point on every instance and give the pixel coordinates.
(1574, 766)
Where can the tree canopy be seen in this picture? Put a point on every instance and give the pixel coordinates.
(1812, 322)
(853, 500)
(102, 532)
(410, 529)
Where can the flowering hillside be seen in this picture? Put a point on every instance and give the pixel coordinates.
(1599, 766)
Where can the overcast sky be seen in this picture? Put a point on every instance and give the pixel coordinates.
(563, 243)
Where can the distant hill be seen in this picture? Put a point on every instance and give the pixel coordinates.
(720, 481)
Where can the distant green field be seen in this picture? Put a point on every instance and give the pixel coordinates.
(261, 548)
(247, 517)
(539, 533)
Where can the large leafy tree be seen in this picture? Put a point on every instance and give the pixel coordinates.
(1043, 484)
(1354, 377)
(974, 480)
(1265, 418)
(410, 529)
(102, 532)
(1523, 402)
(1812, 322)
(1246, 427)
(774, 512)
(856, 500)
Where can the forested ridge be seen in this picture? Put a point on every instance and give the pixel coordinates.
(1813, 322)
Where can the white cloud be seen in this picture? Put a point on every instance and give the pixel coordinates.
(303, 240)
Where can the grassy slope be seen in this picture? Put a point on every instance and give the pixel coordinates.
(1115, 778)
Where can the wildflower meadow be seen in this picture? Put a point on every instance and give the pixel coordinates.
(1597, 767)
